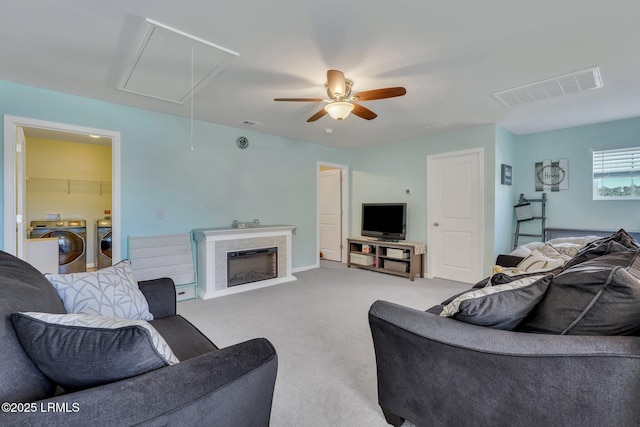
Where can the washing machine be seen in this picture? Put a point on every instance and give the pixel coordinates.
(72, 242)
(103, 243)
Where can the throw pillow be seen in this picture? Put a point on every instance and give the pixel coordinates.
(79, 351)
(501, 306)
(619, 241)
(596, 297)
(504, 278)
(110, 292)
(569, 249)
(539, 261)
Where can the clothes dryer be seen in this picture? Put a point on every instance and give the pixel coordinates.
(103, 243)
(72, 242)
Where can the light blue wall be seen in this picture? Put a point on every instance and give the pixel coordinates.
(274, 180)
(575, 208)
(505, 194)
(381, 174)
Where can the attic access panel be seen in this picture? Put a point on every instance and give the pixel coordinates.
(171, 65)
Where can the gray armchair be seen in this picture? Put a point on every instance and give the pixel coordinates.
(232, 386)
(436, 371)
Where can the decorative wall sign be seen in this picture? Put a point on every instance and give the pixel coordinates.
(552, 176)
(505, 174)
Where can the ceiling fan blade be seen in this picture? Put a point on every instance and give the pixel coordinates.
(335, 83)
(363, 112)
(317, 115)
(300, 99)
(389, 92)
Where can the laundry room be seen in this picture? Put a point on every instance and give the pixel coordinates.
(68, 198)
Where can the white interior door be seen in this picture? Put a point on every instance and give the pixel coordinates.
(330, 214)
(21, 191)
(454, 215)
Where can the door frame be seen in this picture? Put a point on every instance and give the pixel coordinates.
(11, 123)
(345, 208)
(481, 208)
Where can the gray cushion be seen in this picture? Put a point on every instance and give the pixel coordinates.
(79, 351)
(596, 297)
(501, 306)
(619, 241)
(110, 292)
(22, 288)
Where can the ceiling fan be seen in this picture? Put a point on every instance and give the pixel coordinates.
(342, 102)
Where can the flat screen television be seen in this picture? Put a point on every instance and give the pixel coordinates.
(385, 221)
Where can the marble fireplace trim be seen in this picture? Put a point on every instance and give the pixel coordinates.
(213, 245)
(224, 246)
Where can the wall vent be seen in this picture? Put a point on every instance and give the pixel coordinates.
(578, 81)
(172, 65)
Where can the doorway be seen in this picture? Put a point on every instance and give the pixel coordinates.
(332, 211)
(455, 188)
(15, 152)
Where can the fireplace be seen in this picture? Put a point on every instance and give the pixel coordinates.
(251, 265)
(214, 245)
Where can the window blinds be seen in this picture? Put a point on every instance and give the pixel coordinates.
(616, 173)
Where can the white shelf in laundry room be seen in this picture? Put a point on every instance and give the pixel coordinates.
(68, 186)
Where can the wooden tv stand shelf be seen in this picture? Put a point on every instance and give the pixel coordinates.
(400, 258)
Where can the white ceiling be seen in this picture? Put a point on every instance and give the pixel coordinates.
(451, 55)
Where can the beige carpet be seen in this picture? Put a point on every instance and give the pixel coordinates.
(319, 327)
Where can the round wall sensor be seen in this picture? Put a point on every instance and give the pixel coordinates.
(242, 142)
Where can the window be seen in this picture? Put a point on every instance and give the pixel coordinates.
(616, 174)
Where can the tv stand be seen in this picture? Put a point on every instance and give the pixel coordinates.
(399, 258)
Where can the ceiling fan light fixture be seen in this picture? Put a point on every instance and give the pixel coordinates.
(339, 110)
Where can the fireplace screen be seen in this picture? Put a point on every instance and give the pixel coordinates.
(251, 265)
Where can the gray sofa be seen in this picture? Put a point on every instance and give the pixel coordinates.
(573, 361)
(232, 386)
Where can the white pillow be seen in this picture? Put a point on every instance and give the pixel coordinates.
(110, 292)
(570, 249)
(538, 262)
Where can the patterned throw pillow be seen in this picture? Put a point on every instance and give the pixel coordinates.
(79, 351)
(110, 292)
(539, 261)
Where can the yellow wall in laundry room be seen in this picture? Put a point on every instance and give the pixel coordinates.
(69, 178)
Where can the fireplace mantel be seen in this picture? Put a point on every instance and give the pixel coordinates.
(214, 243)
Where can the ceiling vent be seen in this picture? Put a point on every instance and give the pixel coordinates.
(437, 126)
(578, 81)
(172, 65)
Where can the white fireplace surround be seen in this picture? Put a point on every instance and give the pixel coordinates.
(213, 244)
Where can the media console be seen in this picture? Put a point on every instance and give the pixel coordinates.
(399, 258)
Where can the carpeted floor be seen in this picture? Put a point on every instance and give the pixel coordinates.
(319, 327)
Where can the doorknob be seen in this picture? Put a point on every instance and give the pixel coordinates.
(436, 224)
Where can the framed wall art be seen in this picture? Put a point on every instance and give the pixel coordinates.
(552, 175)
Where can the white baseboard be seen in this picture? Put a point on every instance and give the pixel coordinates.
(305, 268)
